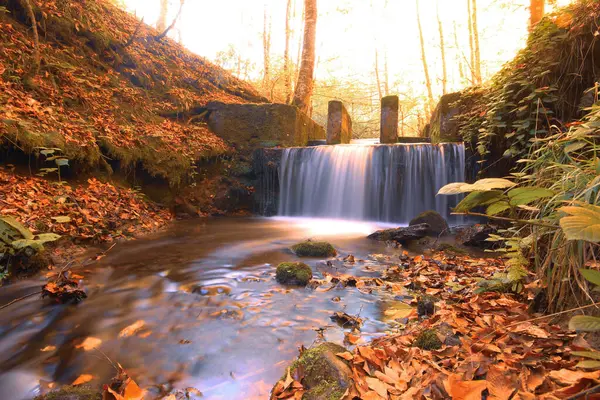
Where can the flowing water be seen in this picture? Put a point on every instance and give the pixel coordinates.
(391, 183)
(212, 315)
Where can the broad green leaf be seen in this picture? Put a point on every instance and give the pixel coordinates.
(62, 219)
(584, 323)
(591, 275)
(62, 162)
(475, 199)
(492, 183)
(47, 152)
(583, 223)
(497, 207)
(455, 188)
(587, 354)
(24, 243)
(26, 233)
(589, 364)
(525, 195)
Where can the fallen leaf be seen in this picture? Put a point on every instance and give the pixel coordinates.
(90, 343)
(85, 378)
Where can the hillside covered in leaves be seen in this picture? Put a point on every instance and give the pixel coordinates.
(103, 82)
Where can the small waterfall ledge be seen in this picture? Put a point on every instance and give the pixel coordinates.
(386, 183)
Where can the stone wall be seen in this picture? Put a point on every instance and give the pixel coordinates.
(389, 120)
(251, 126)
(265, 166)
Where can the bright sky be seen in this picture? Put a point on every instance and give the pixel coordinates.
(349, 31)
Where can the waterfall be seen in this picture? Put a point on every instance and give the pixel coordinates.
(388, 183)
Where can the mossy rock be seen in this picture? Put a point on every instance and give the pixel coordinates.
(428, 340)
(72, 393)
(326, 376)
(314, 249)
(290, 273)
(437, 223)
(449, 248)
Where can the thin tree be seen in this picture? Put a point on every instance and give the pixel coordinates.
(161, 23)
(424, 59)
(459, 55)
(36, 37)
(378, 80)
(536, 12)
(166, 31)
(386, 80)
(305, 85)
(476, 44)
(443, 51)
(266, 51)
(471, 44)
(287, 83)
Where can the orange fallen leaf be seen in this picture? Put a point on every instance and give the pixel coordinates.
(90, 343)
(85, 378)
(464, 390)
(132, 329)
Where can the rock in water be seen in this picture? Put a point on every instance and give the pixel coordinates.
(401, 235)
(289, 273)
(324, 375)
(476, 235)
(314, 249)
(437, 223)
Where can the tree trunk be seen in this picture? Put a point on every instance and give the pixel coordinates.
(304, 88)
(161, 23)
(36, 38)
(266, 52)
(476, 43)
(536, 12)
(377, 74)
(424, 59)
(459, 56)
(443, 51)
(471, 45)
(286, 55)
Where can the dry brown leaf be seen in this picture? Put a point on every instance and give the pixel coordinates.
(132, 329)
(464, 390)
(500, 380)
(378, 386)
(568, 377)
(90, 343)
(84, 378)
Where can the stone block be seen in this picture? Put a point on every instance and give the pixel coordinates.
(339, 124)
(389, 120)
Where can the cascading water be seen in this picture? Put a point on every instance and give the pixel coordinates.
(388, 183)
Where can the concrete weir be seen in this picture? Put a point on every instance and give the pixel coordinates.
(339, 124)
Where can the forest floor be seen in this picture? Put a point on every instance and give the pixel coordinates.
(471, 344)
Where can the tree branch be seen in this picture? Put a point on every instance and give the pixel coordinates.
(162, 35)
(518, 221)
(134, 34)
(36, 38)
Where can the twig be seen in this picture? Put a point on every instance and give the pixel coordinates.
(134, 34)
(162, 35)
(519, 221)
(593, 390)
(19, 299)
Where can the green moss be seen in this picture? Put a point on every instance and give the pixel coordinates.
(290, 273)
(448, 248)
(314, 249)
(325, 391)
(72, 393)
(428, 340)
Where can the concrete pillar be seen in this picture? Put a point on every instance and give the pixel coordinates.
(389, 120)
(339, 124)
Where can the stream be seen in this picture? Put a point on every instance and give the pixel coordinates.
(194, 306)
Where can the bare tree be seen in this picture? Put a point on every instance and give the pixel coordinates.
(477, 55)
(286, 55)
(424, 59)
(161, 23)
(36, 37)
(443, 51)
(305, 84)
(166, 31)
(266, 51)
(536, 12)
(386, 80)
(377, 79)
(471, 44)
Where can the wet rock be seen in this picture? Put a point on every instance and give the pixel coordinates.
(450, 338)
(450, 248)
(314, 249)
(426, 306)
(289, 273)
(346, 320)
(428, 340)
(437, 224)
(324, 375)
(72, 393)
(476, 235)
(401, 235)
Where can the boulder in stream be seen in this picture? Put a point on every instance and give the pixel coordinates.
(401, 235)
(476, 235)
(324, 375)
(437, 224)
(290, 273)
(314, 249)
